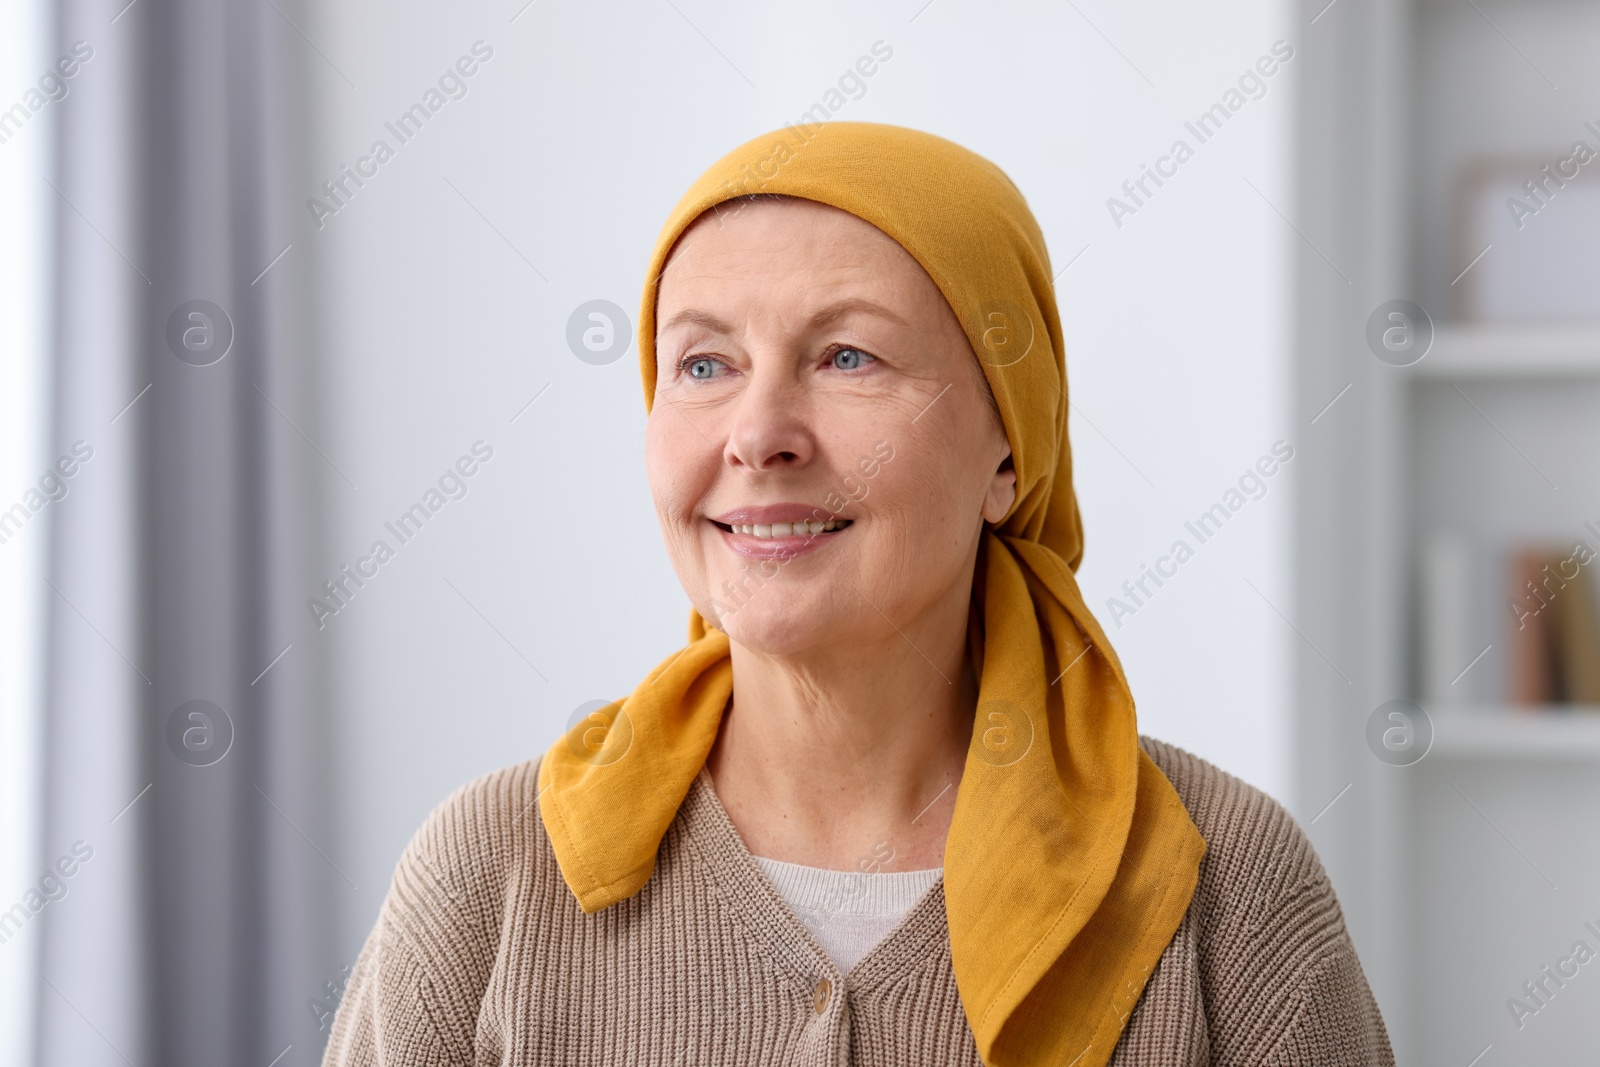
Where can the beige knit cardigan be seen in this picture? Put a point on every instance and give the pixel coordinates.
(482, 956)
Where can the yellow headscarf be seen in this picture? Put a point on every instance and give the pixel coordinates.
(1070, 860)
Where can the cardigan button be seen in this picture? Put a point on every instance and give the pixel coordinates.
(820, 995)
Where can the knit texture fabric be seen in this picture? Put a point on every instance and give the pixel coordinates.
(847, 912)
(481, 955)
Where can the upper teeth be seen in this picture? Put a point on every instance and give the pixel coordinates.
(802, 528)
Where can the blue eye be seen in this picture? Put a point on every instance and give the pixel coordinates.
(701, 367)
(850, 358)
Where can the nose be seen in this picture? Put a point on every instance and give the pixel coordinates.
(770, 429)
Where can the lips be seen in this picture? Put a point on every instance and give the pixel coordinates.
(778, 531)
(773, 530)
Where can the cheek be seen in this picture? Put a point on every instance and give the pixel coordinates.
(920, 544)
(676, 464)
(923, 494)
(682, 470)
(935, 484)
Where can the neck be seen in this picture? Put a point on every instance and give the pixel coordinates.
(848, 756)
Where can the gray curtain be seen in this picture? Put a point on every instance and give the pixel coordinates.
(183, 753)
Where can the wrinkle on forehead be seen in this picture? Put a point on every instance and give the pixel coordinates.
(811, 257)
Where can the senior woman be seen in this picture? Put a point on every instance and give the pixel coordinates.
(889, 805)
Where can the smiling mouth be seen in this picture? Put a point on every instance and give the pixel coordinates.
(773, 530)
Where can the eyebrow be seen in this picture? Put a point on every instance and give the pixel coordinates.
(693, 317)
(824, 316)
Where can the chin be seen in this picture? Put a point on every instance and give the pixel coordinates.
(779, 623)
(769, 633)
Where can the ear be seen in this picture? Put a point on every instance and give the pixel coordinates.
(1002, 491)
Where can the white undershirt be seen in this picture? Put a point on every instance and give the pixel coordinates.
(848, 912)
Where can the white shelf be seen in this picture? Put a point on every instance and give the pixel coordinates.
(1512, 351)
(1565, 732)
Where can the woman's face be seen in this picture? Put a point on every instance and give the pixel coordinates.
(822, 451)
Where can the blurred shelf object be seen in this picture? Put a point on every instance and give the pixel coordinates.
(1425, 489)
(1556, 732)
(1499, 351)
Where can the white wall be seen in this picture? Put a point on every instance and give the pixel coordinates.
(25, 214)
(547, 586)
